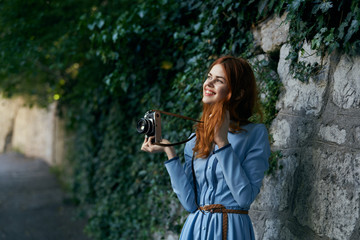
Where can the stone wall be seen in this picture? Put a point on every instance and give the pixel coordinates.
(316, 194)
(35, 132)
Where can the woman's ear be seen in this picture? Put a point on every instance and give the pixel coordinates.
(228, 96)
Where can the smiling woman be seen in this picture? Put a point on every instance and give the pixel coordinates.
(230, 86)
(225, 164)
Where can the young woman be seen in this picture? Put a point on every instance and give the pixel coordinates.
(225, 162)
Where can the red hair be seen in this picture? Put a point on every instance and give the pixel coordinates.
(241, 102)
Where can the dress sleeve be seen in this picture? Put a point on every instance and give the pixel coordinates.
(244, 178)
(181, 181)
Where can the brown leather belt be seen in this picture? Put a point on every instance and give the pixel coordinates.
(218, 208)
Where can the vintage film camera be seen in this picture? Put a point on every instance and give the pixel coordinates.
(150, 125)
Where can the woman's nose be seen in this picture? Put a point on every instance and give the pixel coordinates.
(209, 83)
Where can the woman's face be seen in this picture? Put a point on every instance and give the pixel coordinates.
(215, 87)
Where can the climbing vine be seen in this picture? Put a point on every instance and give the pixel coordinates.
(107, 62)
(326, 26)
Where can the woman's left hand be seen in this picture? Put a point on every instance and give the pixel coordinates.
(221, 132)
(150, 147)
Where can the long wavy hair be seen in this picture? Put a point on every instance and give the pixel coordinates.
(241, 102)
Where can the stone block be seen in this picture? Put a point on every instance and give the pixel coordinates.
(332, 134)
(272, 33)
(300, 96)
(280, 131)
(328, 194)
(346, 92)
(277, 189)
(288, 131)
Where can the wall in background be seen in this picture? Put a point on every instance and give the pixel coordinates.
(33, 131)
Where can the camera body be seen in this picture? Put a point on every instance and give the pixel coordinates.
(150, 125)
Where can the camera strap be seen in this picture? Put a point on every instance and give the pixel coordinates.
(178, 116)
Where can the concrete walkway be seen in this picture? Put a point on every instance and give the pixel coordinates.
(32, 205)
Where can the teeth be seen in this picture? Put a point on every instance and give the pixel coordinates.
(208, 92)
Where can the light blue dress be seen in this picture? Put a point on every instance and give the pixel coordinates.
(231, 176)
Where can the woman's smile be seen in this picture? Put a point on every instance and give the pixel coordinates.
(209, 92)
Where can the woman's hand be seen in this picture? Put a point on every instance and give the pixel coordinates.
(221, 132)
(150, 147)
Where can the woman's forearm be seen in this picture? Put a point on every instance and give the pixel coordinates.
(170, 152)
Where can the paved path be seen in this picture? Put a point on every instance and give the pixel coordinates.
(32, 205)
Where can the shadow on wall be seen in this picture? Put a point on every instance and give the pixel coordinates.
(35, 132)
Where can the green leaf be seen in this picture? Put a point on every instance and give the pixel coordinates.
(325, 6)
(354, 27)
(295, 5)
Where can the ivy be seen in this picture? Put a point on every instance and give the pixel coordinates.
(315, 21)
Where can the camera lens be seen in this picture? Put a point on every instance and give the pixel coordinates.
(142, 126)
